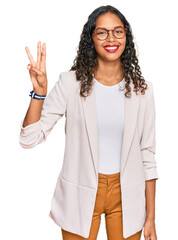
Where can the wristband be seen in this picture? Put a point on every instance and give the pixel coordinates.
(37, 96)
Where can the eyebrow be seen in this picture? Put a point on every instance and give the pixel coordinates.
(105, 28)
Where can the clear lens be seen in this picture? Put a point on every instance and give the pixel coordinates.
(118, 33)
(101, 34)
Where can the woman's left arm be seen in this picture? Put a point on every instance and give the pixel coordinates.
(148, 141)
(148, 145)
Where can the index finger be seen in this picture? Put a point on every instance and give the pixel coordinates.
(30, 56)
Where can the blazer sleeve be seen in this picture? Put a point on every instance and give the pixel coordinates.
(54, 107)
(148, 143)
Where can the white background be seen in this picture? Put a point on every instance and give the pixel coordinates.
(28, 176)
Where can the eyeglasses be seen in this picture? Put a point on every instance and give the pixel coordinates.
(103, 33)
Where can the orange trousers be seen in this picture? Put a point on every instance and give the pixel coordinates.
(108, 201)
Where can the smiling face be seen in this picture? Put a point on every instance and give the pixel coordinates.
(109, 21)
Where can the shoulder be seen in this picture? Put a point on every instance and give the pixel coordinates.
(150, 85)
(148, 91)
(69, 82)
(68, 76)
(148, 96)
(69, 79)
(147, 99)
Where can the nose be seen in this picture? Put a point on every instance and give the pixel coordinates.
(110, 36)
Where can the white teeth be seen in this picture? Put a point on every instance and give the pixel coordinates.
(111, 47)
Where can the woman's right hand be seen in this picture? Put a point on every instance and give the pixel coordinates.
(37, 70)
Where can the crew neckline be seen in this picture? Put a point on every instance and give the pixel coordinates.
(115, 85)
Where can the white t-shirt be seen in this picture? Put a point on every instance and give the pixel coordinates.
(110, 102)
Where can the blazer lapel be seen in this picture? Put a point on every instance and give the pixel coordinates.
(90, 114)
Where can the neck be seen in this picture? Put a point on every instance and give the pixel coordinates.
(109, 71)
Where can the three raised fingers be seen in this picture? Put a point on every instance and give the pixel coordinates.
(41, 57)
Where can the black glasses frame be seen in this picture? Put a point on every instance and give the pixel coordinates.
(125, 30)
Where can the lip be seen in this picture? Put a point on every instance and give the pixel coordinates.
(111, 50)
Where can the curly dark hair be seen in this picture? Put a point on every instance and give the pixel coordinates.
(85, 63)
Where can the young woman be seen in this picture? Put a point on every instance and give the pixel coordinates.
(109, 165)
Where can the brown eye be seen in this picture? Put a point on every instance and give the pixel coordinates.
(118, 31)
(101, 33)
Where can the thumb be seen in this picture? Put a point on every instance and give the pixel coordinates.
(32, 69)
(29, 66)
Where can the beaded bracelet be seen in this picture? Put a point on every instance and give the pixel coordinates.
(37, 96)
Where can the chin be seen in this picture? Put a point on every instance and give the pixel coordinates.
(112, 58)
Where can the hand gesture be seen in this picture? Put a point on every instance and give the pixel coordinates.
(37, 70)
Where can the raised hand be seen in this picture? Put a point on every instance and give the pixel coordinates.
(37, 70)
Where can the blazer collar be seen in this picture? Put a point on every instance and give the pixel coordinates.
(90, 116)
